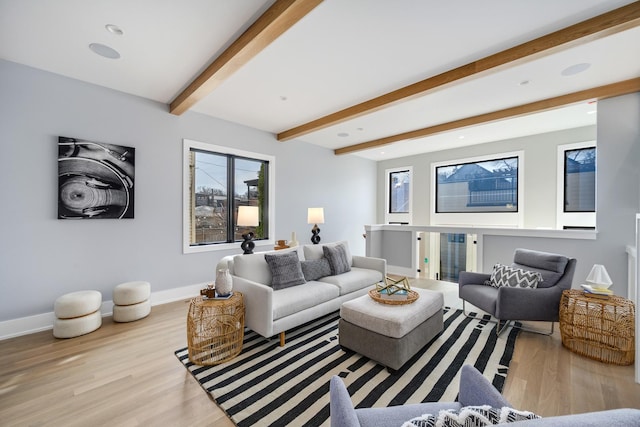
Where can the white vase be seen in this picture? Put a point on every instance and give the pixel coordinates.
(293, 242)
(224, 283)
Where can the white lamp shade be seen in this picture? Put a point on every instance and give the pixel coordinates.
(598, 277)
(315, 216)
(248, 216)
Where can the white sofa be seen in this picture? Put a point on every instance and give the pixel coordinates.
(271, 312)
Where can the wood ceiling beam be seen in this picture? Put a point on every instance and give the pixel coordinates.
(601, 92)
(281, 16)
(592, 29)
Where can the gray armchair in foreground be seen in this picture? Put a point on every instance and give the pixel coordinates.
(475, 390)
(514, 303)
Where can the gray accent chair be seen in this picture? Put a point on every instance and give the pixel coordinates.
(508, 304)
(475, 390)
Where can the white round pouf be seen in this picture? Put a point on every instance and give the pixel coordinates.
(69, 328)
(129, 313)
(76, 304)
(131, 293)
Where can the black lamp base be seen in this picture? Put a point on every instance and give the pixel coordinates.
(248, 245)
(315, 234)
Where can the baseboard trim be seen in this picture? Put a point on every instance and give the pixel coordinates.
(42, 322)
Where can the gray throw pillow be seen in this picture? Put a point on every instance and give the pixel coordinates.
(337, 257)
(285, 270)
(503, 275)
(314, 269)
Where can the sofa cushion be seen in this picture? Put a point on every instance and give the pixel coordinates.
(354, 280)
(316, 251)
(295, 299)
(252, 267)
(503, 275)
(337, 257)
(314, 269)
(471, 416)
(285, 270)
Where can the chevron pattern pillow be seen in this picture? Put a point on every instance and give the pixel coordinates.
(503, 275)
(471, 416)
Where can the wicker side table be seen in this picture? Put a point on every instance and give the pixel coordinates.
(602, 329)
(215, 329)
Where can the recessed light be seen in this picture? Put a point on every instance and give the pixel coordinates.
(524, 83)
(104, 50)
(114, 29)
(360, 129)
(461, 137)
(575, 69)
(591, 112)
(343, 134)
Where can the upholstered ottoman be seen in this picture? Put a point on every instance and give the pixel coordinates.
(131, 301)
(390, 334)
(77, 313)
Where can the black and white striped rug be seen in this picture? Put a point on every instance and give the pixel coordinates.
(269, 385)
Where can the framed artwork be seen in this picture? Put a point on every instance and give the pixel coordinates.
(95, 180)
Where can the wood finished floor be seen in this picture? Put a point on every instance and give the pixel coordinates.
(125, 374)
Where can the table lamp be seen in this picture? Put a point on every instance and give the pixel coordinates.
(248, 216)
(315, 216)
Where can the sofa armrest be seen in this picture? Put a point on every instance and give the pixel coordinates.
(258, 305)
(472, 278)
(371, 263)
(341, 409)
(476, 390)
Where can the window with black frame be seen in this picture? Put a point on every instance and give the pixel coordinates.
(482, 186)
(219, 184)
(399, 191)
(580, 180)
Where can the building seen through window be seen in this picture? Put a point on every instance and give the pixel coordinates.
(220, 183)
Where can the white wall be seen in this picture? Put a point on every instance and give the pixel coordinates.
(42, 257)
(540, 153)
(618, 184)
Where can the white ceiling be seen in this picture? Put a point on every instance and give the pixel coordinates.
(342, 53)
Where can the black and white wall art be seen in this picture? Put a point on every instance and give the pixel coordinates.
(95, 179)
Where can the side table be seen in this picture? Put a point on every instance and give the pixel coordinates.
(600, 328)
(215, 329)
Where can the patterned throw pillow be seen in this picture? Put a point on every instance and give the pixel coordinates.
(503, 275)
(314, 269)
(285, 270)
(337, 257)
(476, 416)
